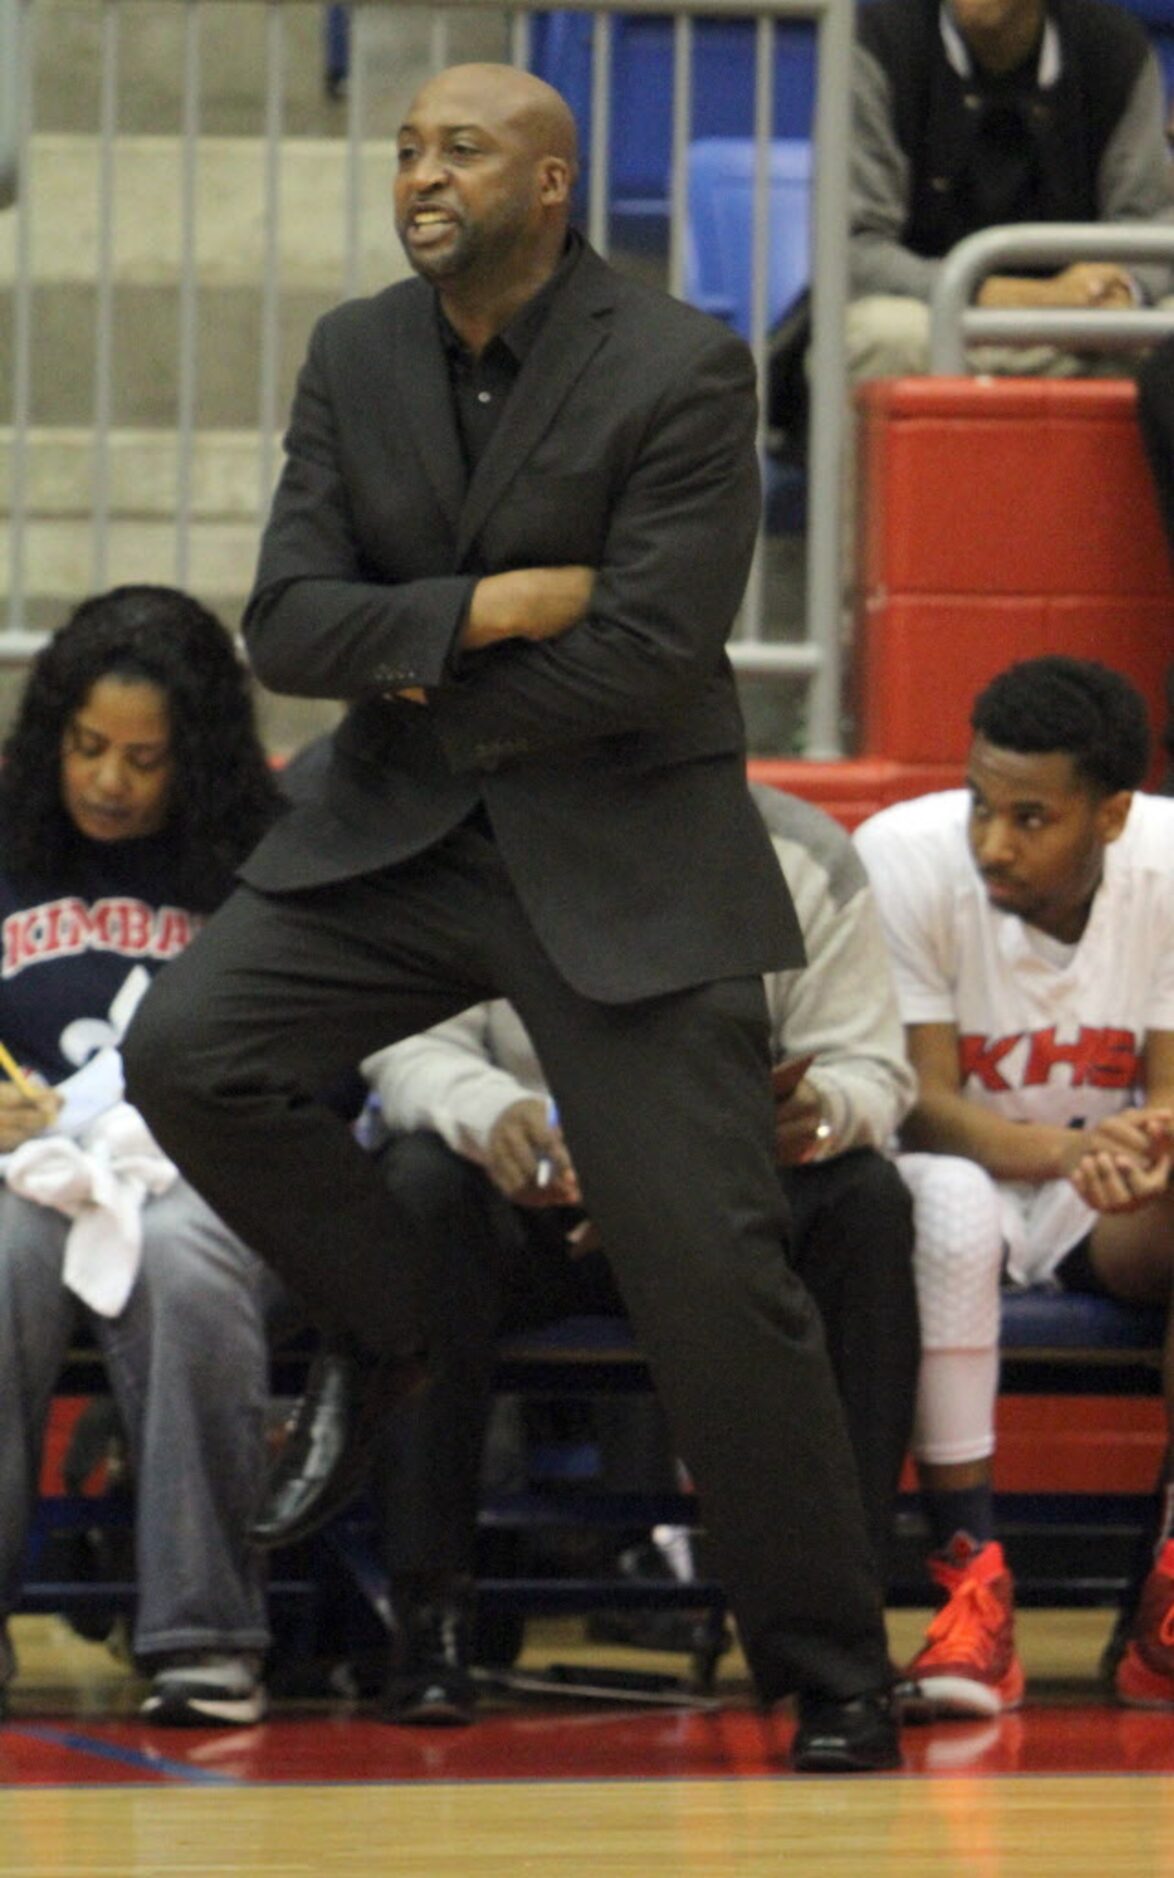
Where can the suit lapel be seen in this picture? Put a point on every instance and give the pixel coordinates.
(569, 337)
(421, 374)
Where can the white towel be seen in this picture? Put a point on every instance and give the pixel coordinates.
(100, 1182)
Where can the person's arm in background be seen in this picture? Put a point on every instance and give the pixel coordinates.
(878, 259)
(841, 1007)
(1133, 185)
(1135, 182)
(474, 1080)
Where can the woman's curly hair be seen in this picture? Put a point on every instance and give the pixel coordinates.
(223, 796)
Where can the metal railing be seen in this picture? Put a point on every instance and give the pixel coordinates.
(286, 196)
(955, 324)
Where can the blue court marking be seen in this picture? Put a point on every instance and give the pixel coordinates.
(141, 1759)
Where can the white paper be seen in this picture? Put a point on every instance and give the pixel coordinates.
(89, 1092)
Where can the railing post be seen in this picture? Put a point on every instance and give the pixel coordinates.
(9, 101)
(955, 323)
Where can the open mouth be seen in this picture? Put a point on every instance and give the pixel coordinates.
(425, 223)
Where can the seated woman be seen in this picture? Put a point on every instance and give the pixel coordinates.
(132, 784)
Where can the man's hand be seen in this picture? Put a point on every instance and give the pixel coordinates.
(1085, 284)
(1124, 1162)
(799, 1116)
(522, 1145)
(1143, 1134)
(1094, 284)
(527, 603)
(1116, 1183)
(21, 1119)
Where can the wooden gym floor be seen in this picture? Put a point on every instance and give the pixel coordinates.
(576, 1788)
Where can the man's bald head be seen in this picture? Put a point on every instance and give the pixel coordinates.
(505, 94)
(487, 163)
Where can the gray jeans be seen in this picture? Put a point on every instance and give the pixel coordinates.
(188, 1364)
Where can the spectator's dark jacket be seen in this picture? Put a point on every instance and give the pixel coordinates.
(1074, 135)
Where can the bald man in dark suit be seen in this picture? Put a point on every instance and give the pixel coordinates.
(515, 521)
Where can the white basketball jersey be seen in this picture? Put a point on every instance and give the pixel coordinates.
(1047, 1033)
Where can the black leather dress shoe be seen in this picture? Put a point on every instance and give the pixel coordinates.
(855, 1737)
(430, 1685)
(324, 1458)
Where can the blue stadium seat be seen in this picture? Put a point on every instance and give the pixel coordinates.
(718, 237)
(642, 90)
(1040, 1319)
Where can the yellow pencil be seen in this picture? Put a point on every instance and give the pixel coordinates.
(13, 1070)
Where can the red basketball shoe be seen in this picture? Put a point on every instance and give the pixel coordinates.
(1145, 1674)
(967, 1665)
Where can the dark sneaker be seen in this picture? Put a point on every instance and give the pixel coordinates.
(859, 1736)
(207, 1692)
(431, 1685)
(1145, 1673)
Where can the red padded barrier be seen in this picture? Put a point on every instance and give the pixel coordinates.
(999, 519)
(856, 787)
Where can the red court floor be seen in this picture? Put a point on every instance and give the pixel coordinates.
(73, 1723)
(556, 1744)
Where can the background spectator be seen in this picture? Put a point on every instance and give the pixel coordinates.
(969, 115)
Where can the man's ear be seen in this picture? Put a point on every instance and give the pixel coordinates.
(554, 181)
(1113, 814)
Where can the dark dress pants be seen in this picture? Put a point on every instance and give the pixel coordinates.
(667, 1110)
(502, 1268)
(498, 1268)
(852, 1245)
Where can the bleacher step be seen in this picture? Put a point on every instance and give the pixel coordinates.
(229, 210)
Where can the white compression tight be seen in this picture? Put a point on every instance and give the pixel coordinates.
(957, 1262)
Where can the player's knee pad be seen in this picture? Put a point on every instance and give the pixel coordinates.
(958, 1250)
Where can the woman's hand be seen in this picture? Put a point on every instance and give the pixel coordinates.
(22, 1118)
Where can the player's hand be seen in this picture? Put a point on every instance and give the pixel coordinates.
(1111, 1182)
(22, 1118)
(1158, 1127)
(1140, 1134)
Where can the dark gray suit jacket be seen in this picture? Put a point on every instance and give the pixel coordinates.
(611, 760)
